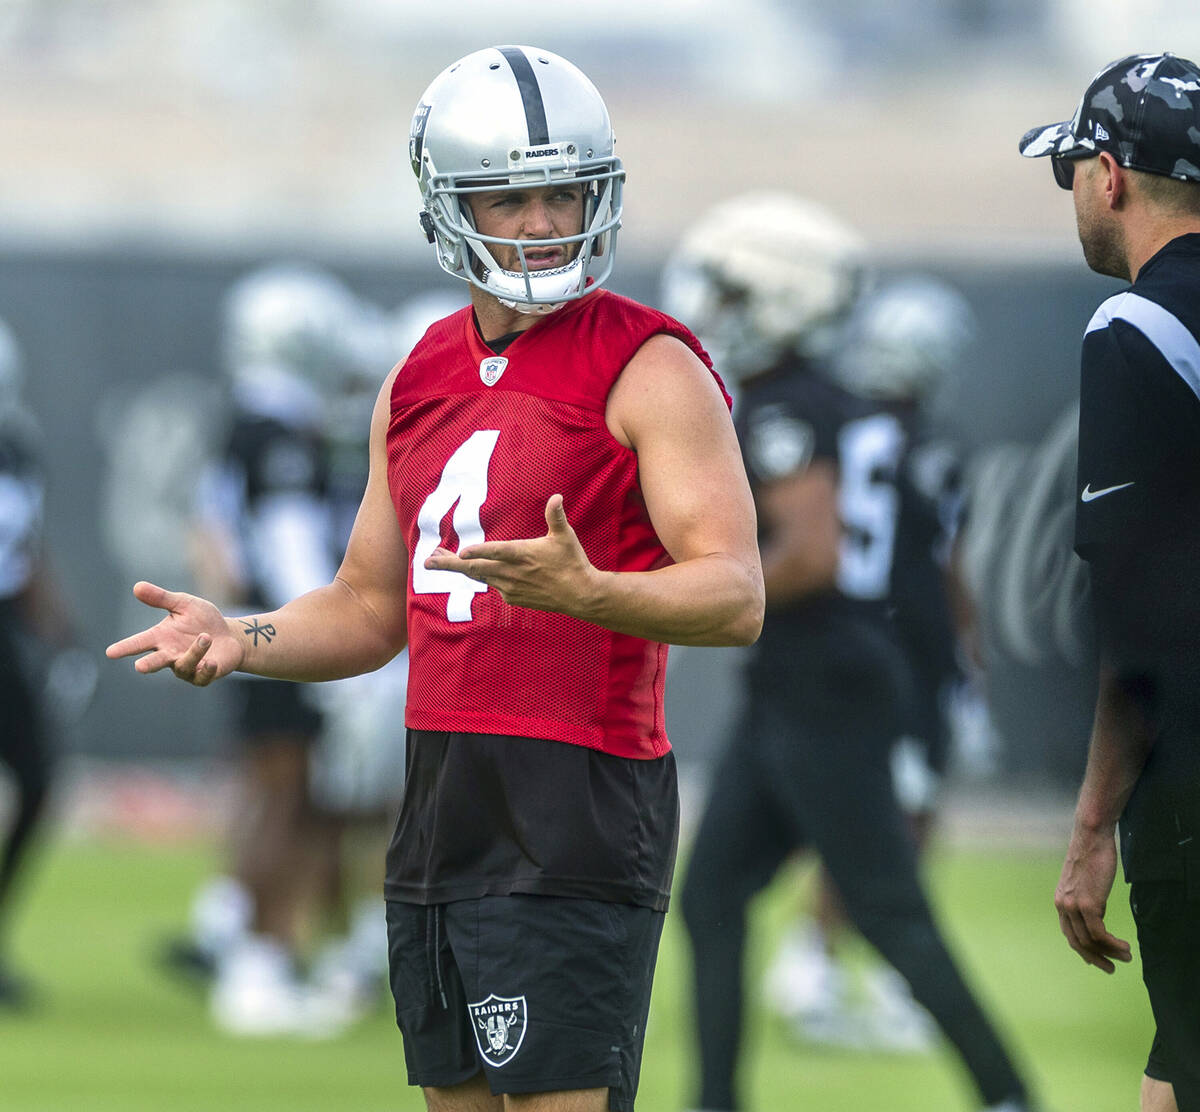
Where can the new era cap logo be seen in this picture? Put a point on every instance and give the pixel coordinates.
(1101, 134)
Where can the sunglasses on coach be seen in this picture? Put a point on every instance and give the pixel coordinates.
(1063, 166)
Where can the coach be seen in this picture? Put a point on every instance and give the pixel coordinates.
(1131, 157)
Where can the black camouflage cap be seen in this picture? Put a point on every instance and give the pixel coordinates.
(1144, 110)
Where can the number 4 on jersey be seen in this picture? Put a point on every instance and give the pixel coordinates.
(463, 488)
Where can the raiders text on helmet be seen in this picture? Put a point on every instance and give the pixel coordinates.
(516, 117)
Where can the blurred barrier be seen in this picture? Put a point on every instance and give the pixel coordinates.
(101, 327)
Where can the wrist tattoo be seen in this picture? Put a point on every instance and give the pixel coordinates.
(256, 629)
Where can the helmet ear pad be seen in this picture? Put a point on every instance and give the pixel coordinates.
(427, 226)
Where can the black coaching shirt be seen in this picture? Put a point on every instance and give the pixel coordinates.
(1138, 526)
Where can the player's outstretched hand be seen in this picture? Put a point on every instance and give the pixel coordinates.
(192, 640)
(1082, 898)
(551, 572)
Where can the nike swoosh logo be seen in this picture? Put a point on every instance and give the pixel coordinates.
(1090, 495)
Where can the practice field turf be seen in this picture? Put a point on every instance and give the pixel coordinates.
(114, 1034)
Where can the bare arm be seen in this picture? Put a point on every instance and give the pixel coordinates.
(352, 625)
(800, 516)
(667, 408)
(1121, 741)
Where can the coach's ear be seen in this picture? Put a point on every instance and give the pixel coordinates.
(1115, 181)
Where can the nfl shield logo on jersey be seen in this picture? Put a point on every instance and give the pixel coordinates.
(499, 1023)
(491, 369)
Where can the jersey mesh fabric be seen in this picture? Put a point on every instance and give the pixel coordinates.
(493, 667)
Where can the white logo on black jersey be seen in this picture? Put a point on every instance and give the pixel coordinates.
(779, 444)
(499, 1023)
(1090, 495)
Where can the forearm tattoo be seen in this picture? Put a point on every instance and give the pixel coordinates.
(256, 629)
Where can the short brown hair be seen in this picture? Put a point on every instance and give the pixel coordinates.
(1180, 198)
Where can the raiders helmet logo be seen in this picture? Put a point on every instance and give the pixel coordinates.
(491, 369)
(499, 1023)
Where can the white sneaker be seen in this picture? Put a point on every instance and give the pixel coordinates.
(339, 987)
(803, 982)
(257, 994)
(894, 1020)
(221, 914)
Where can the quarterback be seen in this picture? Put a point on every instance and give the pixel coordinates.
(556, 493)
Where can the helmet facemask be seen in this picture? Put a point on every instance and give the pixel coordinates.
(469, 252)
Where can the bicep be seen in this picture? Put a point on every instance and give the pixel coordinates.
(669, 408)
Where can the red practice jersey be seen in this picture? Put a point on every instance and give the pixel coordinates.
(477, 443)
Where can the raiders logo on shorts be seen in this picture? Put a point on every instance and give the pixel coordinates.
(499, 1023)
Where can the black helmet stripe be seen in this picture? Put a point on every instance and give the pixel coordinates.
(531, 95)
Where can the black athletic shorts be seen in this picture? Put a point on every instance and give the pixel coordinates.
(543, 993)
(270, 707)
(1168, 928)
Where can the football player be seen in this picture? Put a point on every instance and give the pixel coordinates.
(768, 281)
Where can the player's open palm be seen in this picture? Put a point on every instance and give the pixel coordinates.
(192, 640)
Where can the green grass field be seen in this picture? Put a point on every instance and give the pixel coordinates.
(113, 1033)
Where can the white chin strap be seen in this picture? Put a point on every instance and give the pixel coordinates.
(550, 289)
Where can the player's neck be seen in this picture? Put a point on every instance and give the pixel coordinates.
(495, 320)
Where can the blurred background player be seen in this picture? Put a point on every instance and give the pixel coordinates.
(902, 350)
(320, 767)
(356, 766)
(768, 281)
(39, 669)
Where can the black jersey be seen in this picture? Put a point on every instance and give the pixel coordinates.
(22, 493)
(271, 496)
(929, 484)
(492, 815)
(1138, 526)
(788, 419)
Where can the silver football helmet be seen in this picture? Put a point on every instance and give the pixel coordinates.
(905, 340)
(763, 275)
(295, 333)
(516, 117)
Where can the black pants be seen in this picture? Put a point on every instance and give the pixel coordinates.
(1167, 915)
(808, 767)
(23, 749)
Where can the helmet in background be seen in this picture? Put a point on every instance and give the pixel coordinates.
(905, 340)
(294, 330)
(516, 117)
(410, 320)
(762, 276)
